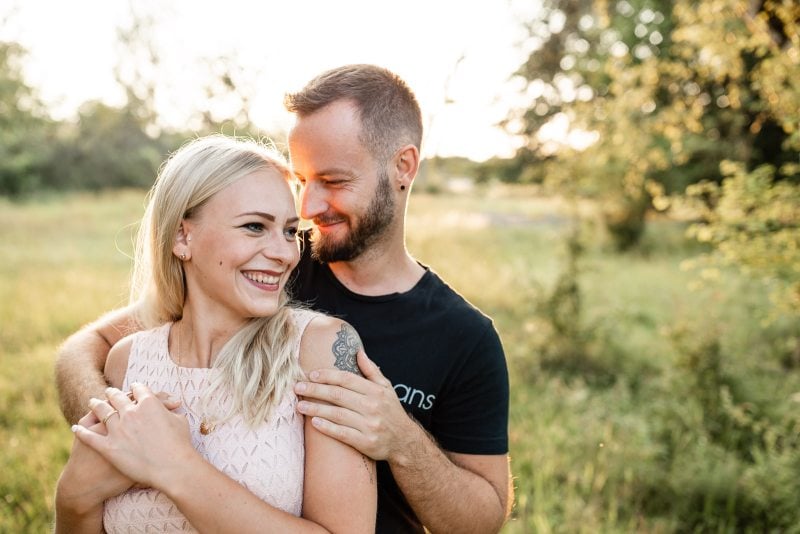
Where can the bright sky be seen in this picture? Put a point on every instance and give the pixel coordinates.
(281, 45)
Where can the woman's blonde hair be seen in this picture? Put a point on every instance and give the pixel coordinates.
(257, 365)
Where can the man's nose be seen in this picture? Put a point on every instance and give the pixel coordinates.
(312, 200)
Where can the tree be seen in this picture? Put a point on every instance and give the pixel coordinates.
(670, 88)
(137, 70)
(229, 94)
(24, 127)
(752, 218)
(107, 147)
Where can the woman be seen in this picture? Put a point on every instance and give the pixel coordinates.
(216, 248)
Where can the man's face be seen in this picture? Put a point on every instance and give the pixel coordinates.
(345, 194)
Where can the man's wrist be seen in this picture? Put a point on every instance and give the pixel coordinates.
(416, 439)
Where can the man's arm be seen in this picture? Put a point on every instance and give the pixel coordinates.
(453, 492)
(449, 492)
(81, 358)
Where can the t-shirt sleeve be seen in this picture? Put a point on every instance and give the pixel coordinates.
(473, 415)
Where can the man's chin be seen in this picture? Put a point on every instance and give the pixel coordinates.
(327, 250)
(322, 246)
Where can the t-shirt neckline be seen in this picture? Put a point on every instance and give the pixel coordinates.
(424, 280)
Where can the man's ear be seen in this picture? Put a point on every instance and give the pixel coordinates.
(183, 237)
(407, 164)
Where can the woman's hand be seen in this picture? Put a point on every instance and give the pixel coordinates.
(89, 474)
(86, 481)
(144, 440)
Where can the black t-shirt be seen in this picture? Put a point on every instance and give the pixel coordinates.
(442, 355)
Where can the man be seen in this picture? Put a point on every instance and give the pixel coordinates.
(433, 407)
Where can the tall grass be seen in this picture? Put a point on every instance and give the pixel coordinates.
(60, 268)
(638, 404)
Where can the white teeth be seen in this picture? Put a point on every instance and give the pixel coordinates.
(262, 278)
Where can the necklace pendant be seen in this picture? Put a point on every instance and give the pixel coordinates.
(206, 428)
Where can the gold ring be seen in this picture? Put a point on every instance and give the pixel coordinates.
(109, 415)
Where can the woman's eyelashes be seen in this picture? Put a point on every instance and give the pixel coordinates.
(289, 232)
(254, 227)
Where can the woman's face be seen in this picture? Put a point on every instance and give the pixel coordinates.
(241, 247)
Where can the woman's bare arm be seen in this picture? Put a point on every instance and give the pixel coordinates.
(340, 489)
(340, 492)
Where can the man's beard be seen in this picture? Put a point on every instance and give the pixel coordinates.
(363, 232)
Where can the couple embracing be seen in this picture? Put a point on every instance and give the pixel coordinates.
(265, 379)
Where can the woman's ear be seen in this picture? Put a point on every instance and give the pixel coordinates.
(183, 238)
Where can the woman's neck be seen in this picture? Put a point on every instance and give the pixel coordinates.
(198, 337)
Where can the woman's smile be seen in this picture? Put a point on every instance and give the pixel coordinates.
(267, 280)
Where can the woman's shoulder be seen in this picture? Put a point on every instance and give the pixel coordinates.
(330, 342)
(119, 355)
(302, 317)
(153, 338)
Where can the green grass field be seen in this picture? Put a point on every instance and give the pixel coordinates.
(638, 404)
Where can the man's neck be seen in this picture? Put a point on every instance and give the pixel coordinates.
(379, 272)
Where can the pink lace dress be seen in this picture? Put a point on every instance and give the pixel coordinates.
(267, 460)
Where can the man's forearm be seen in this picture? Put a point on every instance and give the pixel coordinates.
(82, 358)
(79, 372)
(445, 496)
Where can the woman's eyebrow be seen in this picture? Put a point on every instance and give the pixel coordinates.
(262, 214)
(267, 216)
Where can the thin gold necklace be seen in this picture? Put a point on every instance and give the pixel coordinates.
(206, 426)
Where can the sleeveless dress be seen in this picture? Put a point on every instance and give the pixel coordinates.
(267, 460)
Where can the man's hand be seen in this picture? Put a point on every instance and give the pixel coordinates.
(363, 412)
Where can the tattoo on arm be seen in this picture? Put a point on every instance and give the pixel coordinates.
(345, 348)
(369, 467)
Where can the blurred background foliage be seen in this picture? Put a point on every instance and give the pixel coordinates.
(652, 320)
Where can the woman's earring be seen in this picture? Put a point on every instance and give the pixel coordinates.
(183, 257)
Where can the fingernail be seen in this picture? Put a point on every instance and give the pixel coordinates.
(300, 387)
(302, 406)
(74, 428)
(313, 375)
(316, 421)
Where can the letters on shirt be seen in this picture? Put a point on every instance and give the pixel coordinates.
(414, 397)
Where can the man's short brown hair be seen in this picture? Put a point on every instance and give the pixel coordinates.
(389, 112)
